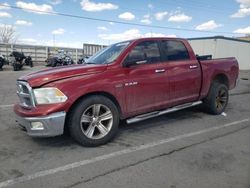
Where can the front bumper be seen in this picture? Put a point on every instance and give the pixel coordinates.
(52, 125)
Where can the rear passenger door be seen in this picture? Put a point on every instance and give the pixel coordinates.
(184, 74)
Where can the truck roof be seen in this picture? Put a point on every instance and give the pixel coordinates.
(155, 38)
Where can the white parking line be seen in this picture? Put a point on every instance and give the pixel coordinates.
(114, 154)
(6, 105)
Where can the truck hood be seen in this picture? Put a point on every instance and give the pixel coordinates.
(40, 78)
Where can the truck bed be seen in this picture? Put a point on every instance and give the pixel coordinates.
(212, 67)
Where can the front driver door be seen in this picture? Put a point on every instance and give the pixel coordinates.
(146, 83)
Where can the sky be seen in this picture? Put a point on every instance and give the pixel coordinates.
(41, 22)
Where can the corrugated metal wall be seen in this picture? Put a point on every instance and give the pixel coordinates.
(90, 49)
(220, 48)
(40, 53)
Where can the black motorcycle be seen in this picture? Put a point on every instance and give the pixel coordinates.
(28, 61)
(60, 59)
(82, 59)
(3, 61)
(18, 60)
(67, 60)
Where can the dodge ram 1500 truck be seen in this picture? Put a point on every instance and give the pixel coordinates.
(132, 80)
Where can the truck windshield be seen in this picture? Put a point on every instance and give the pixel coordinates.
(108, 54)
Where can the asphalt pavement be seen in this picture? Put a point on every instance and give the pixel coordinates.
(188, 148)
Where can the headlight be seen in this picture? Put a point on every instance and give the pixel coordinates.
(49, 95)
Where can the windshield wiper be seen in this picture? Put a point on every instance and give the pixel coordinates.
(89, 63)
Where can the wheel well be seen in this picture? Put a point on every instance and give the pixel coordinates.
(221, 78)
(108, 95)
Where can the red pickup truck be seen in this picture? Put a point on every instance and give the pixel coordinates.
(132, 80)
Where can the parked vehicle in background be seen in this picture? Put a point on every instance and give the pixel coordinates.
(18, 60)
(133, 80)
(3, 61)
(60, 59)
(28, 61)
(82, 59)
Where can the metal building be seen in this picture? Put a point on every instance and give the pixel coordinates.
(91, 49)
(220, 47)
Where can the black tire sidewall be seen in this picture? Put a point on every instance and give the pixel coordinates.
(210, 101)
(75, 116)
(1, 65)
(53, 62)
(15, 67)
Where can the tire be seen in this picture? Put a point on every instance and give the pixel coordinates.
(217, 98)
(15, 68)
(29, 61)
(53, 62)
(1, 65)
(85, 123)
(58, 63)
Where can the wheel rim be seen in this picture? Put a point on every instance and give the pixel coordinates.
(221, 99)
(96, 121)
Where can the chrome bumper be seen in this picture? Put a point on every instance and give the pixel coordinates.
(51, 125)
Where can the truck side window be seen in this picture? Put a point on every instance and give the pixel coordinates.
(174, 50)
(147, 50)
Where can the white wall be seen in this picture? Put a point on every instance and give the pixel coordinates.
(220, 48)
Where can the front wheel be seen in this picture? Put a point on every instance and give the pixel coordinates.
(217, 99)
(94, 121)
(1, 65)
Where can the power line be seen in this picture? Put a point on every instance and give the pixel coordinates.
(114, 21)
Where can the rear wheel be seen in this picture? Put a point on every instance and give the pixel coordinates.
(15, 67)
(94, 121)
(217, 99)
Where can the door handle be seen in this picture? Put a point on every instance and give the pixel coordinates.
(193, 66)
(159, 70)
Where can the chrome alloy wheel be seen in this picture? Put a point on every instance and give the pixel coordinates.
(96, 121)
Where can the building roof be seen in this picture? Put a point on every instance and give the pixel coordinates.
(245, 38)
(220, 37)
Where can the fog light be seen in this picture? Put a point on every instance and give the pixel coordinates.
(36, 126)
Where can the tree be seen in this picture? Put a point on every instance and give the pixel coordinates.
(8, 34)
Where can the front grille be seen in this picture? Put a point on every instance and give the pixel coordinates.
(24, 92)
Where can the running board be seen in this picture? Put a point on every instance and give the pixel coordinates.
(158, 113)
